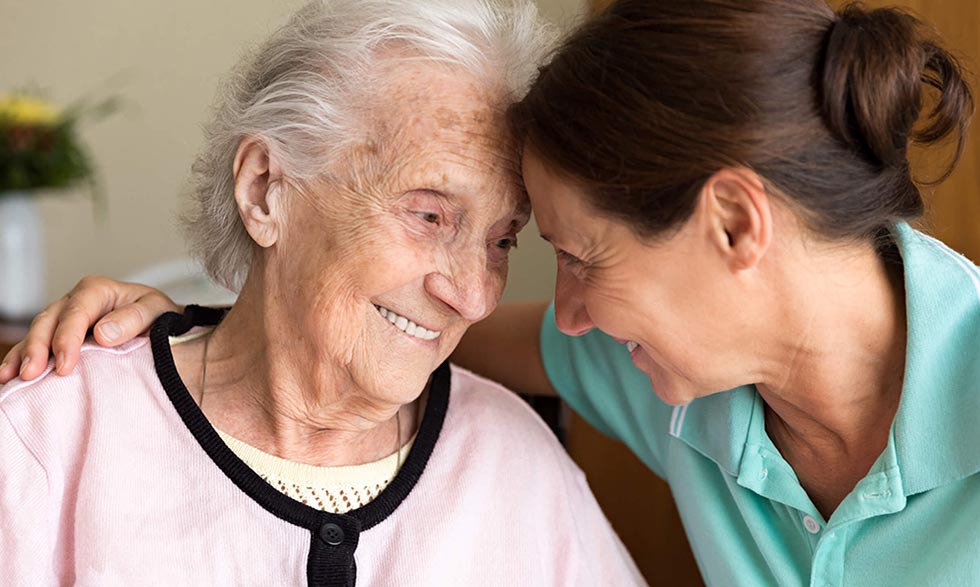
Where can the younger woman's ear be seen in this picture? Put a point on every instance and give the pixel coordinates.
(257, 185)
(739, 215)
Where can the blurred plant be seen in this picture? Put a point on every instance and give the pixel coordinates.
(39, 144)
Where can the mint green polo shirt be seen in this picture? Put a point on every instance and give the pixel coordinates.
(913, 520)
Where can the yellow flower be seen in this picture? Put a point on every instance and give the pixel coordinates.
(24, 110)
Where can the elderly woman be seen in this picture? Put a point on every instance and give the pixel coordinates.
(358, 189)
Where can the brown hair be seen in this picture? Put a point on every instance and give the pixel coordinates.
(645, 102)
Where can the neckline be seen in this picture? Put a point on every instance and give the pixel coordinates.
(295, 472)
(247, 480)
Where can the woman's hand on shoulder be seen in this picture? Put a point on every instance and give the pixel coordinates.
(118, 311)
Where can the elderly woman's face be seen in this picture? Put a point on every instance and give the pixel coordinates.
(392, 262)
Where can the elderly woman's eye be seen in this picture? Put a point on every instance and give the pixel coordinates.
(507, 243)
(430, 217)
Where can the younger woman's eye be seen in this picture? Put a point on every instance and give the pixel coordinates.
(568, 258)
(429, 217)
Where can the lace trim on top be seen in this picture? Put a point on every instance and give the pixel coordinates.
(332, 489)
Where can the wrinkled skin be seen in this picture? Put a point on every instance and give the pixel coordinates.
(418, 219)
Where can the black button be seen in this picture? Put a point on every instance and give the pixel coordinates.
(332, 534)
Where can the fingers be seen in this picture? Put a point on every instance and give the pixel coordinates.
(37, 343)
(30, 356)
(129, 321)
(91, 297)
(10, 365)
(123, 311)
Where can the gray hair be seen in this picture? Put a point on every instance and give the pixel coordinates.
(297, 93)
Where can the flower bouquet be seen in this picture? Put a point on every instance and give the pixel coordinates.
(39, 146)
(39, 151)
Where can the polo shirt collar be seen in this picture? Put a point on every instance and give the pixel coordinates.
(717, 426)
(937, 438)
(935, 432)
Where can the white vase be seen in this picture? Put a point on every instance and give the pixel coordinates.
(22, 262)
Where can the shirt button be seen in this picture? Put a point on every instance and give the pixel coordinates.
(332, 534)
(812, 526)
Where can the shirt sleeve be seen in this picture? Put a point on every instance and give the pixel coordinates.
(596, 377)
(26, 546)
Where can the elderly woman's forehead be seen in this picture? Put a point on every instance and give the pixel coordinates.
(431, 97)
(474, 140)
(433, 127)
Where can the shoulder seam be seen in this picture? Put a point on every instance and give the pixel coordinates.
(14, 386)
(30, 450)
(122, 349)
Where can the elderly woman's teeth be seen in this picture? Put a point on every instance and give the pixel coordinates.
(630, 345)
(407, 326)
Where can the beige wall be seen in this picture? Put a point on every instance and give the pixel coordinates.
(164, 58)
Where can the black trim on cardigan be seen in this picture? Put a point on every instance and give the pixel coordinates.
(331, 561)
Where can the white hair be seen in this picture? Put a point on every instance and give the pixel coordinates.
(297, 92)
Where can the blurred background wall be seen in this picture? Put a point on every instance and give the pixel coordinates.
(164, 59)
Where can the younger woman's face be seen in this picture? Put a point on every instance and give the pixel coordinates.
(673, 297)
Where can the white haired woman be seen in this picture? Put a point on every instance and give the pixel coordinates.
(314, 433)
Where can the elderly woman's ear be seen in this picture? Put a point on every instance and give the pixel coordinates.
(257, 177)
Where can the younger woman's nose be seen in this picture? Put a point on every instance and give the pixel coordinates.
(571, 314)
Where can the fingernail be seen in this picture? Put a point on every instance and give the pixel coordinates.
(24, 364)
(59, 361)
(110, 331)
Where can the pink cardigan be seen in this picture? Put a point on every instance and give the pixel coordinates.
(112, 476)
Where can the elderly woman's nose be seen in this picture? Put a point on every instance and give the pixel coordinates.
(571, 315)
(471, 299)
(465, 287)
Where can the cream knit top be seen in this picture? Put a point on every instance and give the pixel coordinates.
(332, 489)
(337, 490)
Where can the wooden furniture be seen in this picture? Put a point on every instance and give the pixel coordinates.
(954, 206)
(638, 504)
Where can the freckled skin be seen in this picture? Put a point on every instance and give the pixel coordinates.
(436, 146)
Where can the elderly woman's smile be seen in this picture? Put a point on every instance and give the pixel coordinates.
(408, 326)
